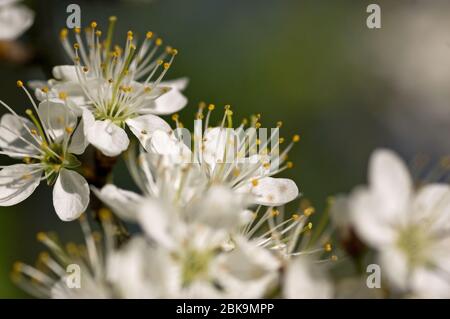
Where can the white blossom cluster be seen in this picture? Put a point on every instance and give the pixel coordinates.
(211, 220)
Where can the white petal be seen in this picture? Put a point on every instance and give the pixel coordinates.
(79, 141)
(271, 191)
(143, 127)
(57, 118)
(220, 208)
(65, 73)
(70, 195)
(18, 182)
(14, 21)
(13, 134)
(219, 145)
(174, 151)
(370, 224)
(305, 280)
(106, 136)
(390, 179)
(395, 268)
(168, 103)
(154, 218)
(248, 271)
(432, 203)
(124, 203)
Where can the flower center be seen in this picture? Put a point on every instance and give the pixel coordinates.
(195, 265)
(413, 241)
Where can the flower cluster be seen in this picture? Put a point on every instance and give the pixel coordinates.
(211, 220)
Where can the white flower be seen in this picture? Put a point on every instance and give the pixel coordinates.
(306, 280)
(408, 228)
(46, 144)
(103, 87)
(15, 19)
(223, 155)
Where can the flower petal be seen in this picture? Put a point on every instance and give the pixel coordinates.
(70, 195)
(106, 136)
(143, 127)
(65, 73)
(18, 182)
(58, 119)
(170, 102)
(124, 203)
(155, 221)
(390, 180)
(306, 280)
(270, 191)
(14, 21)
(13, 133)
(79, 141)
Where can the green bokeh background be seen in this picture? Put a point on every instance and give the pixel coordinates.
(307, 63)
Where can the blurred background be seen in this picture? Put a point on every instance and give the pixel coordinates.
(315, 65)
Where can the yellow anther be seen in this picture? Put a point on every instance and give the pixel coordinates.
(159, 42)
(41, 236)
(62, 95)
(45, 89)
(309, 211)
(44, 256)
(281, 140)
(149, 35)
(166, 65)
(17, 266)
(309, 226)
(236, 172)
(275, 212)
(77, 30)
(255, 182)
(93, 24)
(334, 258)
(257, 125)
(289, 164)
(244, 121)
(295, 216)
(27, 160)
(85, 69)
(33, 131)
(63, 33)
(266, 165)
(279, 124)
(174, 52)
(160, 62)
(105, 214)
(296, 138)
(69, 130)
(112, 19)
(327, 247)
(76, 46)
(229, 112)
(211, 107)
(98, 33)
(175, 117)
(19, 84)
(130, 33)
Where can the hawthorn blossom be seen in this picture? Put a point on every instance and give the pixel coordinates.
(102, 86)
(46, 143)
(408, 227)
(15, 19)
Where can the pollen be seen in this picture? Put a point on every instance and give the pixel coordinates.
(296, 138)
(105, 214)
(309, 226)
(149, 35)
(112, 19)
(275, 212)
(158, 42)
(17, 267)
(174, 52)
(295, 216)
(334, 258)
(255, 182)
(289, 164)
(309, 211)
(279, 124)
(63, 33)
(19, 84)
(281, 140)
(93, 24)
(77, 30)
(76, 46)
(69, 130)
(45, 89)
(41, 236)
(327, 247)
(62, 95)
(211, 107)
(257, 125)
(166, 65)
